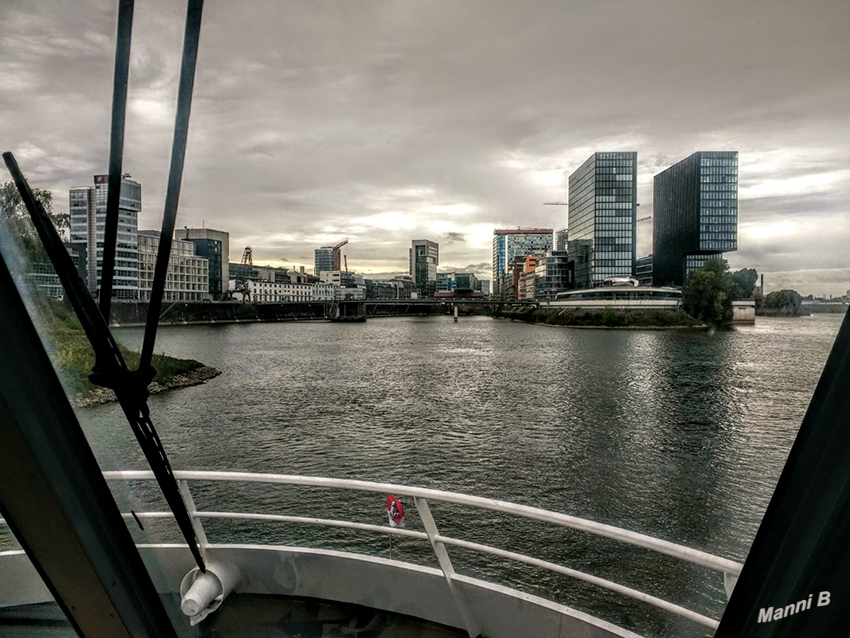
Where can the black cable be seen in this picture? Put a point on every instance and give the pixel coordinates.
(175, 175)
(116, 151)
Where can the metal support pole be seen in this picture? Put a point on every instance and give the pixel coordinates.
(455, 312)
(116, 152)
(197, 525)
(729, 582)
(446, 566)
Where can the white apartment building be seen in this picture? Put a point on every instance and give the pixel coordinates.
(288, 292)
(188, 275)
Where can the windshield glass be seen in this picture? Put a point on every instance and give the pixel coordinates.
(584, 258)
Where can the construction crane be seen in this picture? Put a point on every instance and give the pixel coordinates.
(556, 203)
(336, 253)
(644, 219)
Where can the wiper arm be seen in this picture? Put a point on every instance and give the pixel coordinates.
(116, 151)
(111, 371)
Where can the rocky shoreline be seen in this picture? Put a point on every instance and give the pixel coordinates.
(105, 395)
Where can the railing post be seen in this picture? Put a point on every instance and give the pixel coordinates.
(201, 535)
(729, 582)
(446, 565)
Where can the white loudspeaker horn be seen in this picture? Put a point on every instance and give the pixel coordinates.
(202, 593)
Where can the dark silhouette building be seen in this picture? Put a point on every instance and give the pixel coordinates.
(695, 214)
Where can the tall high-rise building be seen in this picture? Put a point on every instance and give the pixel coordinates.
(507, 244)
(214, 245)
(695, 210)
(87, 208)
(424, 259)
(603, 218)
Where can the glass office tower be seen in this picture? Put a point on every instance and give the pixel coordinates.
(424, 259)
(602, 221)
(87, 212)
(696, 214)
(324, 260)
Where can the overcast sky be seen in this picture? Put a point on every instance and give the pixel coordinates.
(387, 121)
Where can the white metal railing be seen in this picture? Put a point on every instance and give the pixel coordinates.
(421, 496)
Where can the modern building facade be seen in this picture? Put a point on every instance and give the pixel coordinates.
(562, 235)
(188, 276)
(424, 259)
(643, 270)
(323, 260)
(448, 281)
(695, 210)
(603, 218)
(552, 274)
(523, 276)
(87, 217)
(507, 244)
(214, 245)
(328, 258)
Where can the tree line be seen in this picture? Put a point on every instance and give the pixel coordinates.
(708, 293)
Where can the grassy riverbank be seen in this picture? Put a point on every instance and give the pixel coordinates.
(605, 318)
(73, 358)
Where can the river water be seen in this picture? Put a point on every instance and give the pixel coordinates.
(676, 434)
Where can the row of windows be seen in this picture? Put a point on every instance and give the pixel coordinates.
(604, 225)
(607, 241)
(719, 203)
(718, 172)
(719, 186)
(718, 196)
(718, 245)
(719, 161)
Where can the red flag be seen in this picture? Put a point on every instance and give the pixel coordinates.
(395, 511)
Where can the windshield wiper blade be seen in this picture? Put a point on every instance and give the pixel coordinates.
(116, 151)
(175, 175)
(111, 371)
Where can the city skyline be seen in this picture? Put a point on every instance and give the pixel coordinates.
(333, 145)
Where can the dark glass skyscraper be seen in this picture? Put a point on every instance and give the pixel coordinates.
(695, 214)
(602, 218)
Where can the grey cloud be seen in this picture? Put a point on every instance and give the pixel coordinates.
(437, 119)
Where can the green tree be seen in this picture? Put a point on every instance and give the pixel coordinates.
(745, 282)
(16, 218)
(785, 302)
(707, 293)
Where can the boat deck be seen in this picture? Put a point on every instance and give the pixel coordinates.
(248, 616)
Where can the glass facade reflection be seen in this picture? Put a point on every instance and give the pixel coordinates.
(602, 218)
(695, 214)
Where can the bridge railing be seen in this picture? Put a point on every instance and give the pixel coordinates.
(439, 542)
